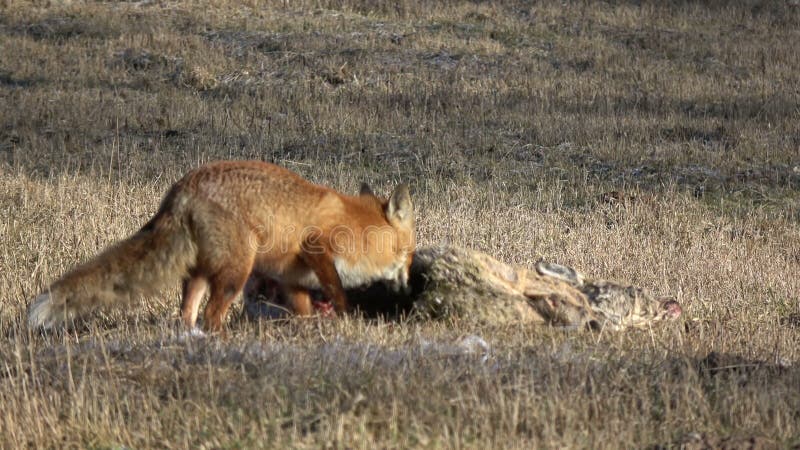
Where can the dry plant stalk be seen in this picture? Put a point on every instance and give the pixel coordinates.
(452, 283)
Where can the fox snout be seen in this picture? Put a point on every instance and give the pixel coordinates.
(398, 283)
(400, 287)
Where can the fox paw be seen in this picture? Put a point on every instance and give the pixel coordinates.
(194, 333)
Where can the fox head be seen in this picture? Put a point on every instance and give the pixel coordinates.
(390, 249)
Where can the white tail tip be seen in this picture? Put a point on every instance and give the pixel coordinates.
(41, 313)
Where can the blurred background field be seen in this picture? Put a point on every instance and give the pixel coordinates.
(654, 143)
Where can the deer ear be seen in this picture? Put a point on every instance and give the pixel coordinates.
(563, 273)
(400, 207)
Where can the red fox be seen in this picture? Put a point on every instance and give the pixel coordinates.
(224, 220)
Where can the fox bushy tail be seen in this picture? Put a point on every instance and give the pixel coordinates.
(159, 254)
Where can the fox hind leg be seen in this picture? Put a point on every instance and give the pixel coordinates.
(225, 258)
(324, 268)
(225, 287)
(193, 291)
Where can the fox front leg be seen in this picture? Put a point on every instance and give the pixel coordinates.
(322, 263)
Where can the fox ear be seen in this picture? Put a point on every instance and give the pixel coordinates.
(365, 190)
(400, 207)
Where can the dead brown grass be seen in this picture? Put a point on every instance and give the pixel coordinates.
(509, 119)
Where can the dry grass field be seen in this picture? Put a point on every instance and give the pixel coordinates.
(511, 120)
